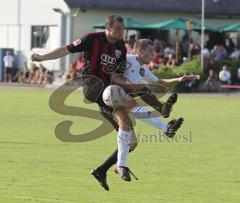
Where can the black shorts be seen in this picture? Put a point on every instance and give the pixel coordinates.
(93, 88)
(8, 70)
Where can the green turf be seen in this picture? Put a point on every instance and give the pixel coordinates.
(37, 167)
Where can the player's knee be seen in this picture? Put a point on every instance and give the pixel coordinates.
(125, 125)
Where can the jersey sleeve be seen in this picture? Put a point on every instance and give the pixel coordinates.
(80, 45)
(149, 76)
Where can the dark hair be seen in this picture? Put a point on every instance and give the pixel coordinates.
(141, 44)
(113, 18)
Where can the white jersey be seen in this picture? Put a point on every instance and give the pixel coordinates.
(8, 61)
(136, 73)
(224, 76)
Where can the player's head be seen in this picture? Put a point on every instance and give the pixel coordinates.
(115, 26)
(225, 68)
(143, 49)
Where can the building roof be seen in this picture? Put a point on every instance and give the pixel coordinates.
(219, 7)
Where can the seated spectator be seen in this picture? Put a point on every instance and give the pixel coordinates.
(171, 62)
(225, 76)
(209, 63)
(43, 75)
(168, 50)
(23, 73)
(218, 52)
(71, 72)
(32, 71)
(206, 52)
(235, 54)
(191, 86)
(50, 75)
(79, 65)
(211, 80)
(195, 49)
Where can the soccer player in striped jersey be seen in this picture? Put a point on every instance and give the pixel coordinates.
(103, 51)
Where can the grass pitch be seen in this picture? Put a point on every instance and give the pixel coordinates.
(203, 165)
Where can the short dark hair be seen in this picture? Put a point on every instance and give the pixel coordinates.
(113, 18)
(141, 44)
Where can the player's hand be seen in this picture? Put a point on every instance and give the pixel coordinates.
(188, 77)
(36, 57)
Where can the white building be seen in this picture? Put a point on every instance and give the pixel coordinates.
(32, 25)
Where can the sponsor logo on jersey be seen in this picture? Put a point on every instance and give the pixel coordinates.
(77, 42)
(142, 72)
(107, 59)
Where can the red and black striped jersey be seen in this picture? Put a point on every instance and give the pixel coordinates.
(99, 53)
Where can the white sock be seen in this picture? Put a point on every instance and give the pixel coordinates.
(123, 140)
(148, 117)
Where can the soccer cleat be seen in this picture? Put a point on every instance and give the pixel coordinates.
(124, 173)
(166, 109)
(101, 178)
(173, 126)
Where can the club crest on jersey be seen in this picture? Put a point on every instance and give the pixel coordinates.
(77, 42)
(118, 54)
(142, 72)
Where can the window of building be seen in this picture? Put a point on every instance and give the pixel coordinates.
(39, 36)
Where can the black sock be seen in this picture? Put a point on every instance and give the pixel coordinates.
(110, 161)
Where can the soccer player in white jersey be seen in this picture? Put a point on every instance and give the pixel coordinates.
(138, 73)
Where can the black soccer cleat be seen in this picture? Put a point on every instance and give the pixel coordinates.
(101, 178)
(166, 109)
(173, 126)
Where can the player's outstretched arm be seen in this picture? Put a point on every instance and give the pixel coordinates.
(55, 54)
(165, 84)
(174, 81)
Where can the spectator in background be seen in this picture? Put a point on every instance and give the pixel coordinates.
(79, 65)
(238, 75)
(191, 86)
(128, 47)
(168, 50)
(218, 52)
(171, 62)
(43, 75)
(206, 52)
(8, 62)
(235, 54)
(209, 63)
(71, 72)
(225, 76)
(195, 49)
(155, 62)
(229, 45)
(211, 80)
(22, 74)
(184, 45)
(50, 76)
